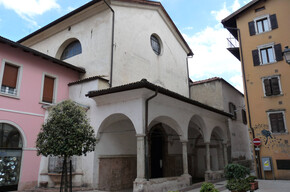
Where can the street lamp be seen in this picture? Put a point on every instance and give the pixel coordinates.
(286, 54)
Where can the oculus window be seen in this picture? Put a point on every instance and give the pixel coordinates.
(155, 44)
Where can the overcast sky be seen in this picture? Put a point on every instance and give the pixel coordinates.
(197, 20)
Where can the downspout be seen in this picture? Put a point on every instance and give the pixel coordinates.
(246, 93)
(147, 136)
(189, 92)
(112, 48)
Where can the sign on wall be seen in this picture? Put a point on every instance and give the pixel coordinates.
(266, 163)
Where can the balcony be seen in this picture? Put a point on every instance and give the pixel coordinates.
(234, 47)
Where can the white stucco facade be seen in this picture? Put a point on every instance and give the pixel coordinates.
(151, 135)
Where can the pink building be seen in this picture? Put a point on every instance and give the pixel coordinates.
(30, 82)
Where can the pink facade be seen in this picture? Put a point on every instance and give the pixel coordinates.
(25, 111)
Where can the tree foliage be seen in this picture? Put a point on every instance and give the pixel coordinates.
(66, 132)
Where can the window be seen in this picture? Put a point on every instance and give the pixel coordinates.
(10, 79)
(277, 121)
(155, 44)
(244, 117)
(283, 164)
(266, 54)
(263, 24)
(232, 109)
(272, 86)
(48, 89)
(55, 164)
(74, 48)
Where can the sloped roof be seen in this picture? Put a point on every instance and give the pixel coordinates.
(39, 54)
(230, 21)
(88, 80)
(145, 84)
(91, 3)
(214, 79)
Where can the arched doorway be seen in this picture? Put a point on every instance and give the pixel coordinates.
(165, 151)
(10, 157)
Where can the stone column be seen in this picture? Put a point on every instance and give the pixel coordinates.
(184, 157)
(140, 156)
(207, 150)
(225, 154)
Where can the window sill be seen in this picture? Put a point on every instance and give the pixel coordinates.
(262, 64)
(263, 32)
(276, 134)
(9, 95)
(46, 105)
(270, 96)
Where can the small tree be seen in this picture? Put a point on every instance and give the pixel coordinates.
(65, 133)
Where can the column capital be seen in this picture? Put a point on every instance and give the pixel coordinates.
(183, 141)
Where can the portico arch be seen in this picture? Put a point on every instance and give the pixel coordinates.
(196, 149)
(117, 153)
(165, 148)
(217, 141)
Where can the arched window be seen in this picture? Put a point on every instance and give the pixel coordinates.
(74, 48)
(9, 136)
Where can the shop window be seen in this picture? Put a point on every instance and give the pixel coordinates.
(283, 164)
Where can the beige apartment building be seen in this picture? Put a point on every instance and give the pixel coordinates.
(262, 28)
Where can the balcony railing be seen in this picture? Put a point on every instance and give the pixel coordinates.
(232, 42)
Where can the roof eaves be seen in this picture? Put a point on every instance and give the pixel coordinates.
(88, 79)
(59, 20)
(145, 84)
(39, 54)
(234, 14)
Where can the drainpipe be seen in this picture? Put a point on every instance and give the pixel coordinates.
(146, 135)
(247, 98)
(112, 48)
(189, 93)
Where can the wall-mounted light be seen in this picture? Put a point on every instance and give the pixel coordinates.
(286, 54)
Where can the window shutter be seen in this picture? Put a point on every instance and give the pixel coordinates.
(256, 58)
(267, 86)
(273, 121)
(47, 95)
(281, 127)
(252, 28)
(273, 20)
(278, 52)
(10, 76)
(275, 86)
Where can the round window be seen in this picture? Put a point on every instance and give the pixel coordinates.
(155, 44)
